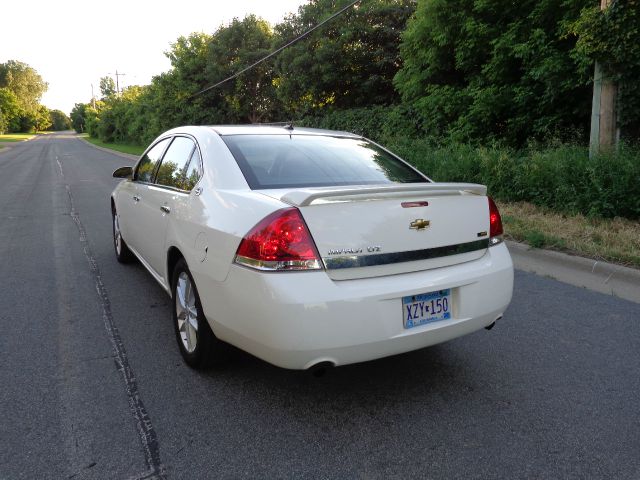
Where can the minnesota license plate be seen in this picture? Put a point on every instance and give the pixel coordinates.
(426, 308)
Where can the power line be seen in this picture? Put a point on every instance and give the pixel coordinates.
(275, 52)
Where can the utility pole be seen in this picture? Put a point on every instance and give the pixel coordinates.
(118, 75)
(93, 98)
(604, 130)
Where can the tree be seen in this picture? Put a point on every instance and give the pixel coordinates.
(59, 120)
(479, 69)
(171, 94)
(42, 119)
(26, 84)
(350, 62)
(78, 115)
(611, 38)
(92, 117)
(107, 87)
(121, 118)
(251, 96)
(188, 57)
(9, 110)
(37, 121)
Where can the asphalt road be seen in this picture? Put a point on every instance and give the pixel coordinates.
(92, 384)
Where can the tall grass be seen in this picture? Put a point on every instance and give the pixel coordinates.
(562, 178)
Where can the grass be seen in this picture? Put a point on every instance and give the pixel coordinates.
(563, 178)
(119, 147)
(615, 240)
(16, 137)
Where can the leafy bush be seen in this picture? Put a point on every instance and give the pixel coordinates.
(496, 70)
(379, 123)
(561, 177)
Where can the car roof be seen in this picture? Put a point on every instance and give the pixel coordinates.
(284, 129)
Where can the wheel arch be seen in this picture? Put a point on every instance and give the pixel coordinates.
(173, 255)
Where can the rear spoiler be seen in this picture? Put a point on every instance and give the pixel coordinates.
(306, 196)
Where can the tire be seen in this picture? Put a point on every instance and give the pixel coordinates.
(123, 254)
(198, 345)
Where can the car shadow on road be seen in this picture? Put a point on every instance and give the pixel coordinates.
(442, 371)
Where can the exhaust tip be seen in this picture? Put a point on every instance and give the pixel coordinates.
(320, 369)
(493, 324)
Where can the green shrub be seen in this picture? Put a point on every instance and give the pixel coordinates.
(535, 238)
(379, 123)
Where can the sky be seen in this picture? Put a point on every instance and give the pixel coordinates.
(72, 43)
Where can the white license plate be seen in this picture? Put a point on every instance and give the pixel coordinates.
(426, 308)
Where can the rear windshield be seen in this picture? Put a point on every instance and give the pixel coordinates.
(282, 161)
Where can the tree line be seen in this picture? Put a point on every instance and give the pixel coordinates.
(470, 71)
(21, 88)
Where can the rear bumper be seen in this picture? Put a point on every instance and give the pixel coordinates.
(298, 319)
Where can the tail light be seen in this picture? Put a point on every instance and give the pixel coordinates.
(495, 223)
(281, 241)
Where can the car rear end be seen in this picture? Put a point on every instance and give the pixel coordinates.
(365, 258)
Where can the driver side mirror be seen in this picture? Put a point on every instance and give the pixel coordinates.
(123, 172)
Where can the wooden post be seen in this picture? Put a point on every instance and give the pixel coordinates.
(604, 130)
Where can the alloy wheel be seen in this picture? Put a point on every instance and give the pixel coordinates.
(186, 312)
(117, 236)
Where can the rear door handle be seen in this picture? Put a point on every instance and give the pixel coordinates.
(165, 209)
(136, 198)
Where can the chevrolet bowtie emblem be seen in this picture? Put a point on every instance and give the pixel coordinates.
(419, 224)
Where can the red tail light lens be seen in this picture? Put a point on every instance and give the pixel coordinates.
(281, 241)
(495, 223)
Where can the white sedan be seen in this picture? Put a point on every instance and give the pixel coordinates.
(308, 247)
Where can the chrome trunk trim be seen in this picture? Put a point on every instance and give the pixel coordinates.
(354, 261)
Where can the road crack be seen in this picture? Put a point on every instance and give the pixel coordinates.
(146, 433)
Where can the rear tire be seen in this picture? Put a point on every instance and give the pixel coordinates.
(123, 254)
(198, 345)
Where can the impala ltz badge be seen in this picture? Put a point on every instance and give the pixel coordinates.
(419, 224)
(354, 251)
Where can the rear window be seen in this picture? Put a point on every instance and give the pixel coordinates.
(283, 161)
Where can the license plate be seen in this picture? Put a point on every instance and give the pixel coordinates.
(426, 308)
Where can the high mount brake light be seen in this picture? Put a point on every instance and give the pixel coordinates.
(495, 223)
(280, 241)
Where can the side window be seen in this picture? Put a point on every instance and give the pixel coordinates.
(194, 171)
(172, 169)
(147, 165)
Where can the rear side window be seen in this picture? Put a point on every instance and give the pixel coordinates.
(282, 161)
(194, 171)
(147, 164)
(172, 170)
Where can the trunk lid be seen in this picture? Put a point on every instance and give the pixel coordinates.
(373, 231)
